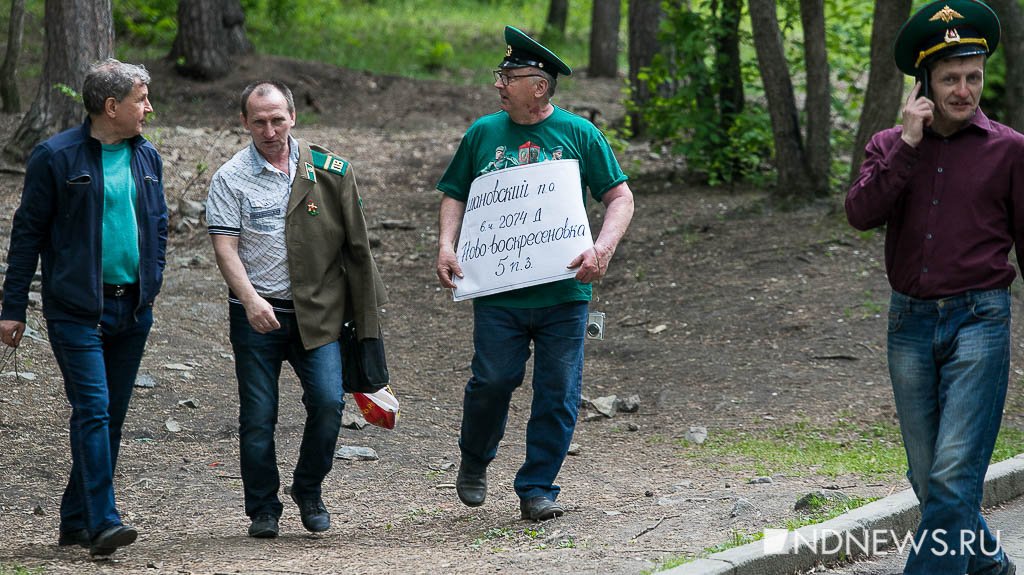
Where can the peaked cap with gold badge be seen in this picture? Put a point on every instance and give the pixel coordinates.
(946, 29)
(522, 51)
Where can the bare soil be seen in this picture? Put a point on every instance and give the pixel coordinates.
(722, 312)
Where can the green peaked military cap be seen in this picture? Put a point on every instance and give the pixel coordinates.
(945, 29)
(522, 51)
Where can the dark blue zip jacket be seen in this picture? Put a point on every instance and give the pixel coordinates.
(61, 219)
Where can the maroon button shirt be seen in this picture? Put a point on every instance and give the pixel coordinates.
(953, 207)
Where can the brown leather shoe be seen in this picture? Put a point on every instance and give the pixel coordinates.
(471, 485)
(540, 508)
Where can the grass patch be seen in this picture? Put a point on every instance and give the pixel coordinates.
(1009, 444)
(533, 535)
(872, 451)
(455, 40)
(19, 570)
(822, 511)
(458, 41)
(800, 449)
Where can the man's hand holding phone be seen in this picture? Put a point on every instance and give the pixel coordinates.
(917, 113)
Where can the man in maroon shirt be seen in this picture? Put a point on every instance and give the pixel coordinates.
(949, 187)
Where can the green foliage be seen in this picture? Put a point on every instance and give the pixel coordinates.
(848, 41)
(68, 91)
(685, 110)
(436, 57)
(146, 23)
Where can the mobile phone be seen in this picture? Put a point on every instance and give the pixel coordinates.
(926, 88)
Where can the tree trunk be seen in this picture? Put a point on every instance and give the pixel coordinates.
(885, 81)
(1012, 17)
(9, 70)
(644, 19)
(604, 39)
(794, 180)
(78, 33)
(210, 32)
(819, 95)
(727, 63)
(558, 14)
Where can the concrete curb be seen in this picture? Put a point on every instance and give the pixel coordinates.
(897, 514)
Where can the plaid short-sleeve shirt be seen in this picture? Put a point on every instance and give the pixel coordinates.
(248, 198)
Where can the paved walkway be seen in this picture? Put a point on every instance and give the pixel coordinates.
(1008, 520)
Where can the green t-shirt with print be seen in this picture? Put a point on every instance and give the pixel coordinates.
(495, 142)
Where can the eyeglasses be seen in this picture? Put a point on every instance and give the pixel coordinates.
(505, 78)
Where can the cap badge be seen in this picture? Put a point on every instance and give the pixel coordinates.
(952, 36)
(947, 15)
(508, 50)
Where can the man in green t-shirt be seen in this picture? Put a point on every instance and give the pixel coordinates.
(529, 129)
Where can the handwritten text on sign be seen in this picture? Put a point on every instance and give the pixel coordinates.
(522, 227)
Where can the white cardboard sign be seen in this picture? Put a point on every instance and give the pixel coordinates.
(522, 227)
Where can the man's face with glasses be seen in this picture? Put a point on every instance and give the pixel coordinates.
(505, 78)
(517, 98)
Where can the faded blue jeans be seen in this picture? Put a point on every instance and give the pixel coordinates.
(501, 338)
(258, 361)
(99, 364)
(949, 362)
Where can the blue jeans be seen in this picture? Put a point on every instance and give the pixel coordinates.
(99, 365)
(258, 361)
(501, 338)
(949, 362)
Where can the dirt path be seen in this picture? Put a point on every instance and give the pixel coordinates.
(770, 319)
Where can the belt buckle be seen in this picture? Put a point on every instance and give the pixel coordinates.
(119, 291)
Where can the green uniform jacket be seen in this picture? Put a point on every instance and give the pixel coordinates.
(333, 276)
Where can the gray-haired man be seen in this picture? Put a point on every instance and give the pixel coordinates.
(93, 209)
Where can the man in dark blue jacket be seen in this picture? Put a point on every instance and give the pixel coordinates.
(93, 209)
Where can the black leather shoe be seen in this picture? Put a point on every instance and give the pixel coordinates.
(110, 539)
(540, 508)
(1007, 567)
(314, 514)
(471, 485)
(69, 538)
(264, 526)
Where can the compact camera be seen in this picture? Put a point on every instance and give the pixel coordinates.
(595, 325)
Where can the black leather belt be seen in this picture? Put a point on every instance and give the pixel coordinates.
(115, 290)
